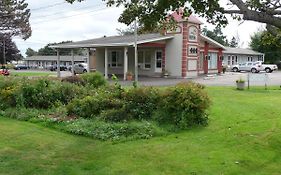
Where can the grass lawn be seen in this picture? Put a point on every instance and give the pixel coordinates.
(32, 74)
(243, 137)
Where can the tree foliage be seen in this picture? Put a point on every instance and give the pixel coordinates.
(216, 35)
(234, 42)
(268, 44)
(48, 51)
(151, 12)
(14, 18)
(11, 51)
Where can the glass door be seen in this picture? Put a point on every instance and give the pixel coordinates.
(158, 61)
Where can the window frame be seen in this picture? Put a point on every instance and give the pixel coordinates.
(143, 64)
(195, 35)
(118, 63)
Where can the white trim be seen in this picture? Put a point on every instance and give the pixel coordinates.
(111, 44)
(212, 41)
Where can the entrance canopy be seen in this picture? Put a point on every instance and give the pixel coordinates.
(115, 41)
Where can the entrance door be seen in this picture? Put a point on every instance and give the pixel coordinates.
(158, 61)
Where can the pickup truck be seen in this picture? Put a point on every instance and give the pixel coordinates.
(253, 67)
(268, 68)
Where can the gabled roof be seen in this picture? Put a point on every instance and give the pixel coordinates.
(127, 40)
(241, 51)
(178, 17)
(209, 40)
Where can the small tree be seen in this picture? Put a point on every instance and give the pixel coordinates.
(233, 42)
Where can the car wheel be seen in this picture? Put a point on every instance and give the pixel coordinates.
(84, 71)
(235, 69)
(268, 70)
(253, 70)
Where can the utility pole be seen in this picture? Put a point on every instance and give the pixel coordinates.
(4, 52)
(136, 51)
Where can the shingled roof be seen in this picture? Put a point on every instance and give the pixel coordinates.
(126, 40)
(241, 51)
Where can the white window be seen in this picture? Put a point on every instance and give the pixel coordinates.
(201, 61)
(192, 34)
(144, 59)
(213, 61)
(115, 59)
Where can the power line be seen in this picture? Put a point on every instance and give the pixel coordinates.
(98, 10)
(62, 12)
(48, 6)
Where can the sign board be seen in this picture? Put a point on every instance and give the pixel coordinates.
(258, 77)
(261, 78)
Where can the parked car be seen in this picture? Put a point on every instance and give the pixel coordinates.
(20, 67)
(4, 72)
(254, 67)
(268, 68)
(80, 68)
(54, 68)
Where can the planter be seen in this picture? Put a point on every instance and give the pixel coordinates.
(240, 85)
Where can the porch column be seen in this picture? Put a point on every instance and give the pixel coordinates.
(72, 62)
(220, 61)
(58, 63)
(106, 63)
(205, 62)
(125, 62)
(88, 60)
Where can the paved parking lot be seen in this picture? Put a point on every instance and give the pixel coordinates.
(227, 79)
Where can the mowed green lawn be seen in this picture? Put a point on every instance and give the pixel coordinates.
(32, 73)
(243, 137)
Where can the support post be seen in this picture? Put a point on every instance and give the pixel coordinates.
(58, 64)
(125, 62)
(4, 52)
(72, 62)
(106, 63)
(88, 59)
(136, 51)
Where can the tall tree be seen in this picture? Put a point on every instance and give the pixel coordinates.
(47, 50)
(30, 52)
(216, 35)
(260, 42)
(14, 18)
(152, 11)
(233, 42)
(11, 51)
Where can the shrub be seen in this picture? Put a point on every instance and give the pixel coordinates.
(140, 102)
(92, 106)
(74, 79)
(9, 91)
(184, 105)
(94, 79)
(44, 93)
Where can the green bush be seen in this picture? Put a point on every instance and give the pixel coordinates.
(94, 79)
(184, 105)
(140, 103)
(92, 106)
(74, 79)
(44, 93)
(9, 91)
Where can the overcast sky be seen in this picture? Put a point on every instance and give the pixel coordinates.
(58, 21)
